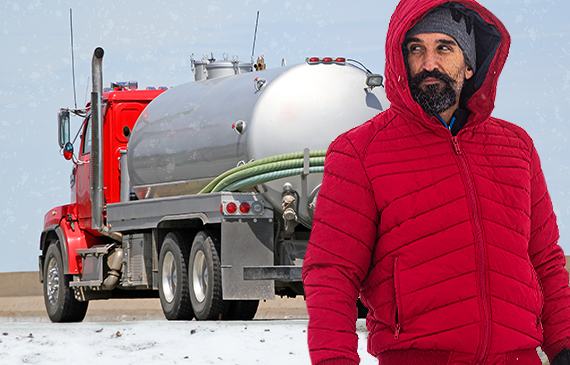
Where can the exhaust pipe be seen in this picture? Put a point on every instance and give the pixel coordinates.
(97, 70)
(96, 163)
(115, 263)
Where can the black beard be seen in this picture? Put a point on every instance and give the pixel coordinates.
(435, 99)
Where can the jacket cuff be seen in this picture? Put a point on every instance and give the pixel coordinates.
(554, 349)
(338, 361)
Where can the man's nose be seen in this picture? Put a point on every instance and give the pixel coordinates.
(430, 61)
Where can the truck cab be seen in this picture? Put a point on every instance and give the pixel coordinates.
(68, 228)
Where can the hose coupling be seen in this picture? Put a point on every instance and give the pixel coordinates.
(289, 203)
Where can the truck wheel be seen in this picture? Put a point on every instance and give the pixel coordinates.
(173, 278)
(242, 310)
(206, 278)
(59, 298)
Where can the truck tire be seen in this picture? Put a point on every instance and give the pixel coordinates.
(59, 298)
(173, 287)
(242, 310)
(206, 278)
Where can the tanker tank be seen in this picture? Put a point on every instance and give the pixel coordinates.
(196, 131)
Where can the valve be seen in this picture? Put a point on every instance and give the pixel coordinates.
(288, 203)
(259, 83)
(260, 64)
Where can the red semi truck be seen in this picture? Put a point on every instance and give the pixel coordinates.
(202, 194)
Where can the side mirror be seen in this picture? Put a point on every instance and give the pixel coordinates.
(63, 127)
(68, 151)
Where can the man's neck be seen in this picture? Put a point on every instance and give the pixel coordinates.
(448, 114)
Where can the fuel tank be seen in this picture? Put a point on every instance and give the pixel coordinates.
(196, 131)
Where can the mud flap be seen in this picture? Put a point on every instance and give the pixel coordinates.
(246, 243)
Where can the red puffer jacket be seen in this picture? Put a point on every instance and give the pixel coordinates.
(450, 241)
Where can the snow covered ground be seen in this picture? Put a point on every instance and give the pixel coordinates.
(161, 342)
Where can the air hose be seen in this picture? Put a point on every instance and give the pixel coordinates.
(274, 175)
(266, 169)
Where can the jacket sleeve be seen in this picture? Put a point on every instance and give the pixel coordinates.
(548, 260)
(338, 255)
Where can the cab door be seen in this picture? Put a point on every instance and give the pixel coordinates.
(83, 178)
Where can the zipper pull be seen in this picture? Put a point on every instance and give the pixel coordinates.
(456, 145)
(397, 332)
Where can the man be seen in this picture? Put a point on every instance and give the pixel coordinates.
(437, 214)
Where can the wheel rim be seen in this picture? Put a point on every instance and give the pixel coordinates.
(200, 276)
(53, 281)
(169, 277)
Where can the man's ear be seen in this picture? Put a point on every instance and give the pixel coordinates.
(468, 72)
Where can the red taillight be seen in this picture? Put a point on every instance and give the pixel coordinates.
(314, 59)
(231, 208)
(327, 60)
(222, 208)
(340, 60)
(244, 208)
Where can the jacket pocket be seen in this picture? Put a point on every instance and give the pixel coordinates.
(540, 295)
(398, 316)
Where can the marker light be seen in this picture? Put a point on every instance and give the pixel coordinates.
(317, 60)
(374, 80)
(231, 208)
(257, 207)
(244, 208)
(68, 151)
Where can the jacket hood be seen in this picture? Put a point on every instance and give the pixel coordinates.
(492, 43)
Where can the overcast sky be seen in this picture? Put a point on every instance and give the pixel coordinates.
(151, 42)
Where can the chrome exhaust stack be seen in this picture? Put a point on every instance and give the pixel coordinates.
(96, 165)
(96, 160)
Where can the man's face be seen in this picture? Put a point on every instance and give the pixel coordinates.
(437, 71)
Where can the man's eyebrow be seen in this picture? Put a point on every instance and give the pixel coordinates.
(449, 42)
(412, 39)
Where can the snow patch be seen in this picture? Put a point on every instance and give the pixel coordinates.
(162, 342)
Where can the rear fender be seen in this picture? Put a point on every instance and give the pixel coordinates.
(188, 226)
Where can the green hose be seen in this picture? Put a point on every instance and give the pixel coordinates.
(274, 175)
(266, 168)
(263, 166)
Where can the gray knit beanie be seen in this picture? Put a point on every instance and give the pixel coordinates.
(454, 24)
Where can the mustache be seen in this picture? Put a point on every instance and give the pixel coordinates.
(435, 98)
(436, 74)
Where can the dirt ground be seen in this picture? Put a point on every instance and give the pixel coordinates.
(21, 300)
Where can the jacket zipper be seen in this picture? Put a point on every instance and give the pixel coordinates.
(472, 202)
(398, 327)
